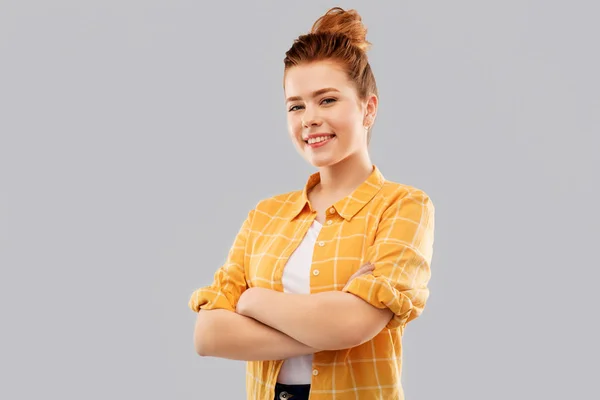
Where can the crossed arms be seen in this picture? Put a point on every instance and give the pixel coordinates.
(252, 324)
(263, 328)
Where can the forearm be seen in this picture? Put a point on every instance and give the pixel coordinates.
(323, 320)
(225, 334)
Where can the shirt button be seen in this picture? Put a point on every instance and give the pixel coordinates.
(332, 210)
(315, 372)
(316, 272)
(329, 222)
(321, 243)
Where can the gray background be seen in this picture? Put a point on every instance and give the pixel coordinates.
(136, 136)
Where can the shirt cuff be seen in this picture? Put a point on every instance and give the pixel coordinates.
(209, 298)
(381, 293)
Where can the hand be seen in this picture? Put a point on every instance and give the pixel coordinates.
(365, 269)
(247, 299)
(242, 304)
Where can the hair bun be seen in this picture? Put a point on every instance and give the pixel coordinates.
(345, 22)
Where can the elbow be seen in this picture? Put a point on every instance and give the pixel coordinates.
(363, 327)
(340, 329)
(339, 339)
(200, 345)
(340, 342)
(350, 338)
(369, 326)
(202, 336)
(355, 338)
(359, 338)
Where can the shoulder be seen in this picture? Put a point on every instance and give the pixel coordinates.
(407, 212)
(393, 192)
(278, 205)
(279, 200)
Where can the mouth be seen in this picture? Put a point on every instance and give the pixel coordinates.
(319, 141)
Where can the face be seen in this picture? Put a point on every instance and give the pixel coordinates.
(326, 119)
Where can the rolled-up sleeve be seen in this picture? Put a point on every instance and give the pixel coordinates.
(402, 254)
(229, 281)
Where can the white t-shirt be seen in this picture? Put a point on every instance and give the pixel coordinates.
(296, 279)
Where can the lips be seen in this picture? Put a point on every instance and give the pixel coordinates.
(317, 138)
(319, 141)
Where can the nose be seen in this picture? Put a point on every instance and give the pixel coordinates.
(309, 118)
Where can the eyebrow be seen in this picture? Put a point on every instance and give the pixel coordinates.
(314, 94)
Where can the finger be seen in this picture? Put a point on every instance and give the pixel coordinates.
(366, 268)
(366, 271)
(362, 271)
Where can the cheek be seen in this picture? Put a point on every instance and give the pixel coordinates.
(344, 127)
(294, 129)
(343, 120)
(350, 136)
(290, 125)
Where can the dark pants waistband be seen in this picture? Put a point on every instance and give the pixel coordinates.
(294, 392)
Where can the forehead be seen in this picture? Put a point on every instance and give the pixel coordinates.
(302, 80)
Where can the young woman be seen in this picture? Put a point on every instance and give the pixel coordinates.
(321, 282)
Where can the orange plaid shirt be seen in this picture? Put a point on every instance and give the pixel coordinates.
(386, 223)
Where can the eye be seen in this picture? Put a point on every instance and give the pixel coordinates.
(328, 100)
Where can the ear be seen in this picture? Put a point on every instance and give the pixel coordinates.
(370, 110)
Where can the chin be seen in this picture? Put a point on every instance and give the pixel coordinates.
(322, 162)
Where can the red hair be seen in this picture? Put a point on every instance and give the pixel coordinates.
(340, 36)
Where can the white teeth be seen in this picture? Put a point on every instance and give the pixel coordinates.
(319, 139)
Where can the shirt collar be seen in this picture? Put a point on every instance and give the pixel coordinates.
(350, 205)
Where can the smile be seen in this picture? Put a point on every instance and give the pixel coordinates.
(319, 141)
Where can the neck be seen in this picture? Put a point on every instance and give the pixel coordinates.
(346, 175)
